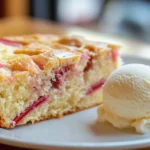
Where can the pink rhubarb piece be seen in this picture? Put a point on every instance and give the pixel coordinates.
(2, 65)
(35, 104)
(95, 86)
(10, 43)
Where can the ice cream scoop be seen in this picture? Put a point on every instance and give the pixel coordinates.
(126, 98)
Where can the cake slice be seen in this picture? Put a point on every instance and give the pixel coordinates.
(46, 76)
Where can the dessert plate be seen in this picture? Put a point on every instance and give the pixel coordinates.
(76, 131)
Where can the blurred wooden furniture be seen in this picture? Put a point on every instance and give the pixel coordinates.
(24, 25)
(17, 8)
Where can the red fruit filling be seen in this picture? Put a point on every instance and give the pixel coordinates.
(10, 43)
(57, 81)
(2, 66)
(114, 55)
(95, 86)
(59, 76)
(35, 104)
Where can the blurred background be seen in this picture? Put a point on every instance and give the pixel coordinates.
(108, 20)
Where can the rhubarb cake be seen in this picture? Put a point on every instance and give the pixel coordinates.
(46, 76)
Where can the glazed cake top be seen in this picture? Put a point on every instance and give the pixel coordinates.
(34, 53)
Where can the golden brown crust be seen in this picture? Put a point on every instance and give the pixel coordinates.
(39, 52)
(40, 38)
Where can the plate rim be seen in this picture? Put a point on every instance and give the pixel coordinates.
(141, 143)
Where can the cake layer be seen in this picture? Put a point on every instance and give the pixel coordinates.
(46, 76)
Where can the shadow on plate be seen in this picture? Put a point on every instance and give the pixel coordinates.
(106, 129)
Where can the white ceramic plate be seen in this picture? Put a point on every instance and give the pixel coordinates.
(76, 131)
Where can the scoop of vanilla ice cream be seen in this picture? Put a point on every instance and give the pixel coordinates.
(126, 98)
